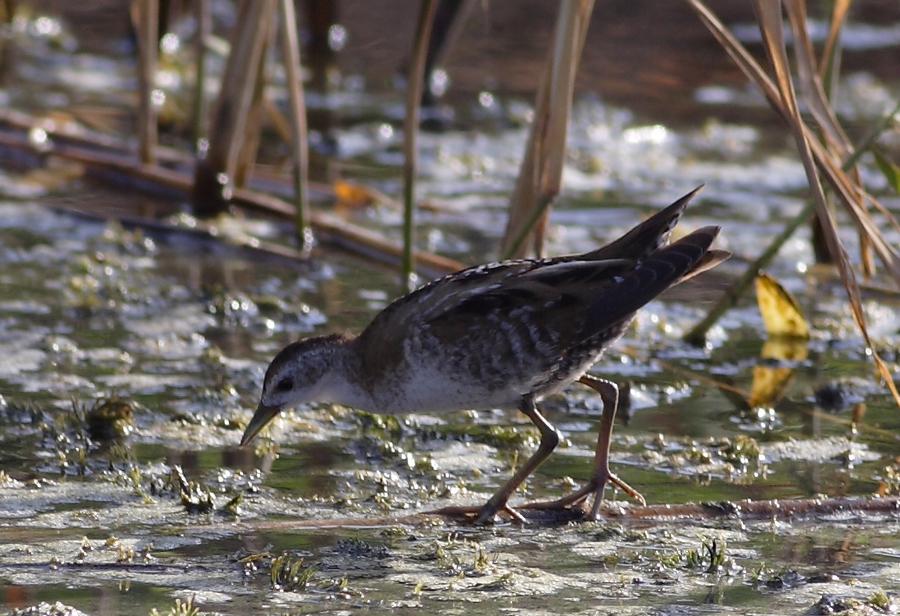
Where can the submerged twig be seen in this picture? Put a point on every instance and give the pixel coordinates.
(103, 158)
(765, 509)
(746, 510)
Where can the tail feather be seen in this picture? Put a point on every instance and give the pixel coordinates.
(645, 238)
(708, 261)
(702, 238)
(652, 275)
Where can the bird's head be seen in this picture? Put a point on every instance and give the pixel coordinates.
(296, 376)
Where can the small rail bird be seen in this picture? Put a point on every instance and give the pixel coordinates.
(501, 335)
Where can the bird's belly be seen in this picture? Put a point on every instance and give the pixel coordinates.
(429, 389)
(491, 370)
(434, 388)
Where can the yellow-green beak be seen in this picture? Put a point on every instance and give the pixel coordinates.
(262, 416)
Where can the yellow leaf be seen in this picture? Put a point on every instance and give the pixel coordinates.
(780, 311)
(356, 195)
(783, 349)
(769, 384)
(775, 371)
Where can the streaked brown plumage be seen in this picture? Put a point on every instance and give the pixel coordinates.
(501, 335)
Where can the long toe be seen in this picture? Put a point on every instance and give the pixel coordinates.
(485, 517)
(594, 514)
(488, 514)
(566, 502)
(614, 479)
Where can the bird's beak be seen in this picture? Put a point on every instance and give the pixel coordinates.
(262, 416)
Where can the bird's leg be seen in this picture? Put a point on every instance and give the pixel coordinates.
(600, 473)
(550, 438)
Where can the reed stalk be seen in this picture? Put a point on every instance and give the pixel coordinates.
(817, 157)
(204, 29)
(414, 87)
(300, 159)
(218, 170)
(146, 17)
(698, 333)
(540, 175)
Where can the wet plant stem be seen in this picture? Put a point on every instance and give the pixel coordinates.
(147, 17)
(204, 27)
(697, 335)
(291, 53)
(414, 86)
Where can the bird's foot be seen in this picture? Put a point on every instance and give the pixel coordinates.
(596, 487)
(614, 479)
(481, 516)
(497, 504)
(488, 514)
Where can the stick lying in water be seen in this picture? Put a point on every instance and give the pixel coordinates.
(793, 509)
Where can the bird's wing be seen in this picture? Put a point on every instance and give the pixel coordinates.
(651, 276)
(576, 299)
(408, 315)
(553, 303)
(546, 303)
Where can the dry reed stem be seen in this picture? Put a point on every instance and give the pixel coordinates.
(769, 16)
(228, 125)
(851, 196)
(540, 174)
(832, 133)
(204, 29)
(814, 153)
(248, 145)
(829, 65)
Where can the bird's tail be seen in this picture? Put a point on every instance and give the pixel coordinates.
(645, 238)
(653, 274)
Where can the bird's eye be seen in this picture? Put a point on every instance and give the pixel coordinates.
(284, 385)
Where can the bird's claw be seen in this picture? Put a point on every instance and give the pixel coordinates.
(596, 487)
(488, 513)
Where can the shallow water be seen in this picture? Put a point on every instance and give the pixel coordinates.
(183, 332)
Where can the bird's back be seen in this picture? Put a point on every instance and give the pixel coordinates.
(496, 332)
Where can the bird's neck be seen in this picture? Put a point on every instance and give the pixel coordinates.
(342, 382)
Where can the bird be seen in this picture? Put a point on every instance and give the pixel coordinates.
(501, 335)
